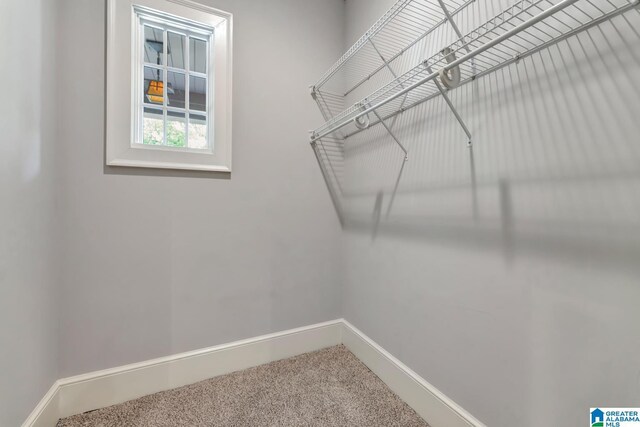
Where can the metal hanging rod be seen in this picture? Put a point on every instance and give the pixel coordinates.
(525, 27)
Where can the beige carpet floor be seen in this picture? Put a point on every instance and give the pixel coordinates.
(330, 387)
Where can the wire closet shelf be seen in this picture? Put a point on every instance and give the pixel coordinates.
(403, 26)
(520, 30)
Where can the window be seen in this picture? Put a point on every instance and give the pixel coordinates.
(174, 63)
(175, 112)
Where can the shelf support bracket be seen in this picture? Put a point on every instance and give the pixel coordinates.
(393, 136)
(458, 32)
(395, 76)
(443, 92)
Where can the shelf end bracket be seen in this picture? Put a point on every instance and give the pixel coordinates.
(452, 107)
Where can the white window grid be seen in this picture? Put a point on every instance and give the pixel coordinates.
(189, 30)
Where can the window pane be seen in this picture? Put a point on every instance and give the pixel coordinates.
(168, 118)
(153, 127)
(153, 51)
(197, 55)
(197, 131)
(175, 89)
(153, 86)
(197, 93)
(176, 129)
(175, 46)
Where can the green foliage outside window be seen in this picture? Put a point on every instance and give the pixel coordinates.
(153, 133)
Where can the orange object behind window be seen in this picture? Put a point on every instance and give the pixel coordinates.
(155, 92)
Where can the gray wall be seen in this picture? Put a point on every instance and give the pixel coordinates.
(528, 306)
(156, 263)
(28, 323)
(524, 305)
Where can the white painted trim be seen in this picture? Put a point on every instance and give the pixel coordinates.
(123, 73)
(108, 387)
(431, 404)
(45, 413)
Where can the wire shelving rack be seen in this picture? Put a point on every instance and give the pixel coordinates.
(401, 28)
(522, 29)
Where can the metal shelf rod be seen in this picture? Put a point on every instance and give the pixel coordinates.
(573, 32)
(510, 33)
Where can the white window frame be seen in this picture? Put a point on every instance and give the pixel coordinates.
(124, 75)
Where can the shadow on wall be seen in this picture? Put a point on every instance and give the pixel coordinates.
(130, 171)
(554, 170)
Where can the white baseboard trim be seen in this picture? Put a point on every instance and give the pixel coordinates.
(432, 405)
(45, 413)
(108, 387)
(100, 389)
